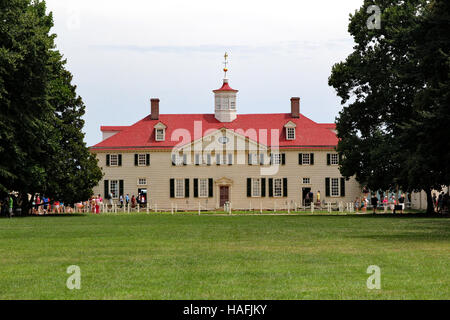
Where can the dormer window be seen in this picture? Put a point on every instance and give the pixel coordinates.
(290, 133)
(290, 130)
(160, 132)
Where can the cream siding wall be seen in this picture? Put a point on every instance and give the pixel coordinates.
(160, 171)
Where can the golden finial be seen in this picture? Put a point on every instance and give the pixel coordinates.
(225, 64)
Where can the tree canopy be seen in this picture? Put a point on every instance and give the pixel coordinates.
(395, 90)
(41, 138)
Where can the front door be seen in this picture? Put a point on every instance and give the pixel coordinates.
(224, 195)
(305, 198)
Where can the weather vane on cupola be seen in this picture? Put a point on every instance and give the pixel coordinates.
(225, 69)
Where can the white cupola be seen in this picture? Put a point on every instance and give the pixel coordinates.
(225, 99)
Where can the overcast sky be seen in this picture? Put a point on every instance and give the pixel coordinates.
(122, 53)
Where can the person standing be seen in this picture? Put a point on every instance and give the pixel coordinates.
(401, 202)
(357, 204)
(133, 201)
(385, 203)
(10, 206)
(318, 197)
(374, 202)
(127, 199)
(121, 201)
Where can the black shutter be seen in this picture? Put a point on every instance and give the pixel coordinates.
(270, 187)
(285, 187)
(197, 159)
(136, 157)
(263, 187)
(261, 159)
(230, 159)
(186, 188)
(107, 160)
(184, 159)
(327, 187)
(121, 188)
(300, 158)
(271, 159)
(340, 158)
(210, 187)
(283, 159)
(208, 159)
(328, 159)
(172, 188)
(250, 159)
(173, 159)
(120, 160)
(249, 187)
(195, 188)
(106, 189)
(311, 159)
(147, 159)
(342, 187)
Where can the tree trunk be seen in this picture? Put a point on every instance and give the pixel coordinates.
(430, 206)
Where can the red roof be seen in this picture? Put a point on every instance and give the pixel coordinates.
(225, 87)
(113, 128)
(141, 135)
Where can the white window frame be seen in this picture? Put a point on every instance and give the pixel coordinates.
(276, 158)
(277, 186)
(290, 133)
(142, 181)
(335, 187)
(160, 134)
(203, 188)
(306, 159)
(334, 159)
(255, 159)
(256, 187)
(306, 181)
(142, 159)
(179, 188)
(114, 160)
(179, 160)
(114, 188)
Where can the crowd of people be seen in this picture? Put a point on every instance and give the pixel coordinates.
(441, 203)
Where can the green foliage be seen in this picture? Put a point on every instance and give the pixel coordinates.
(41, 141)
(394, 88)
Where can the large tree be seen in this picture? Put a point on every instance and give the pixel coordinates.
(41, 137)
(383, 131)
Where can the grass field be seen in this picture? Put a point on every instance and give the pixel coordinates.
(139, 256)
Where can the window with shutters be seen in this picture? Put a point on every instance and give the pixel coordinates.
(306, 158)
(253, 159)
(290, 133)
(142, 160)
(114, 188)
(142, 182)
(114, 160)
(256, 187)
(277, 187)
(334, 187)
(306, 180)
(203, 188)
(160, 134)
(276, 158)
(179, 188)
(334, 159)
(178, 159)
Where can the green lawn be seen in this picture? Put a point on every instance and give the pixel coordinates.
(140, 256)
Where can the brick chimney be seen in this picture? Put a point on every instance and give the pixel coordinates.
(154, 109)
(295, 107)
